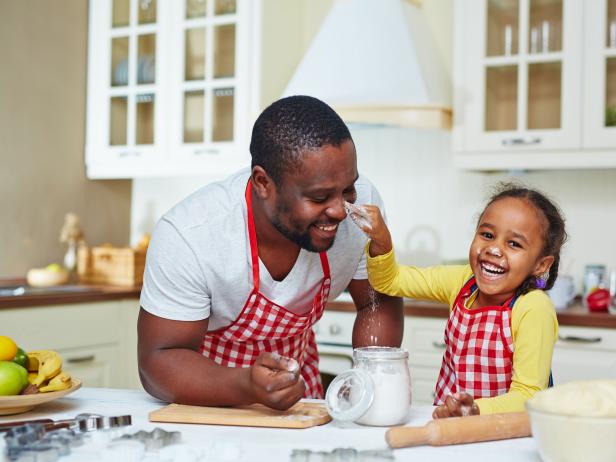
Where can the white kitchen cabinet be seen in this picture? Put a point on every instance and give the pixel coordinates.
(600, 78)
(532, 84)
(423, 338)
(97, 341)
(584, 353)
(169, 87)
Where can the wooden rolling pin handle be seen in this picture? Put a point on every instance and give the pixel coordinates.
(457, 430)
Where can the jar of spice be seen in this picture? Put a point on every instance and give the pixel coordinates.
(377, 391)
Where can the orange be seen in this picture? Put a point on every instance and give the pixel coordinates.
(8, 348)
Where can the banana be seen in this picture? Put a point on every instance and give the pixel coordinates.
(59, 382)
(31, 376)
(48, 363)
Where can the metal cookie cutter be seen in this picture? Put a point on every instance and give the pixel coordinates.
(47, 440)
(153, 440)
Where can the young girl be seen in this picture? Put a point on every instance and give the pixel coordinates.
(502, 325)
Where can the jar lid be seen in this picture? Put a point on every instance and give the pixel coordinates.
(350, 395)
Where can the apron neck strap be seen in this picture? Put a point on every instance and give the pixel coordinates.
(254, 249)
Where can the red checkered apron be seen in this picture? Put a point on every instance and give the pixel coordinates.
(264, 326)
(479, 349)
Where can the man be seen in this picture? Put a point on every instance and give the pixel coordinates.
(239, 272)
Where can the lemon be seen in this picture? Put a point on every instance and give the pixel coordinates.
(53, 267)
(8, 348)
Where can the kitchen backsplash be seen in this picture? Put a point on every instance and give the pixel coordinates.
(431, 206)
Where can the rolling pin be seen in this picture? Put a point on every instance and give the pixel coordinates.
(457, 430)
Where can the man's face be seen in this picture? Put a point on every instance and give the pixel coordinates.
(309, 202)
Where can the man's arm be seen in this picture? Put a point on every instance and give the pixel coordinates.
(172, 369)
(379, 320)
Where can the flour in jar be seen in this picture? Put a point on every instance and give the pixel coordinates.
(392, 392)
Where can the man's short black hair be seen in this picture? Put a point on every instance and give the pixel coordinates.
(291, 126)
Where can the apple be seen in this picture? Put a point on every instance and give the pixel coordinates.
(13, 378)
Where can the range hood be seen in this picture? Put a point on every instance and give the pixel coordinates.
(375, 62)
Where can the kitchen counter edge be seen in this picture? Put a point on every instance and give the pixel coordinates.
(101, 294)
(576, 315)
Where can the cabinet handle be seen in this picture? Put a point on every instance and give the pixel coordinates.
(129, 154)
(576, 339)
(81, 359)
(521, 141)
(439, 345)
(334, 329)
(209, 152)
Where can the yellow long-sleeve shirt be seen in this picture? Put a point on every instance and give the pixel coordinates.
(533, 322)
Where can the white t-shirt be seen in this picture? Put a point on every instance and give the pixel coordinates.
(199, 265)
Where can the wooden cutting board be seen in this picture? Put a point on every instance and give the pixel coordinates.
(301, 415)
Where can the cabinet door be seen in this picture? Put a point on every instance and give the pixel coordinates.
(522, 74)
(127, 72)
(600, 76)
(209, 84)
(100, 366)
(423, 338)
(584, 354)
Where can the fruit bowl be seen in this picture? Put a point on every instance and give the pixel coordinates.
(23, 403)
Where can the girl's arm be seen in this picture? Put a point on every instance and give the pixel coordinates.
(439, 283)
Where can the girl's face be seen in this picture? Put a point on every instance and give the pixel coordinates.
(507, 249)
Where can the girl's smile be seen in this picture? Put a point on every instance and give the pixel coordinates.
(507, 249)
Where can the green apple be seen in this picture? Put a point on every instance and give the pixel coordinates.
(53, 267)
(13, 378)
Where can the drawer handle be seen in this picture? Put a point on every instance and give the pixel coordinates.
(81, 359)
(577, 339)
(206, 151)
(334, 329)
(439, 345)
(521, 141)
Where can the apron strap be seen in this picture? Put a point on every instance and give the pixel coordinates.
(252, 235)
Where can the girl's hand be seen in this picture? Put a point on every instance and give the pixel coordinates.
(369, 219)
(456, 405)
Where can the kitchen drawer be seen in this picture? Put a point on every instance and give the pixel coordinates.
(587, 338)
(335, 327)
(61, 327)
(580, 364)
(96, 367)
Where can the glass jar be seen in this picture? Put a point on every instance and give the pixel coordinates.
(377, 391)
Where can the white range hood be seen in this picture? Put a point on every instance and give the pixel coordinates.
(375, 62)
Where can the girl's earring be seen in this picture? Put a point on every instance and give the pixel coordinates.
(541, 281)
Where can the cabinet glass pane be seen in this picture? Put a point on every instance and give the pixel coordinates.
(224, 51)
(225, 7)
(145, 119)
(195, 8)
(546, 26)
(119, 61)
(146, 58)
(611, 24)
(222, 129)
(120, 13)
(194, 54)
(544, 95)
(147, 11)
(118, 117)
(502, 27)
(610, 92)
(501, 112)
(194, 110)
